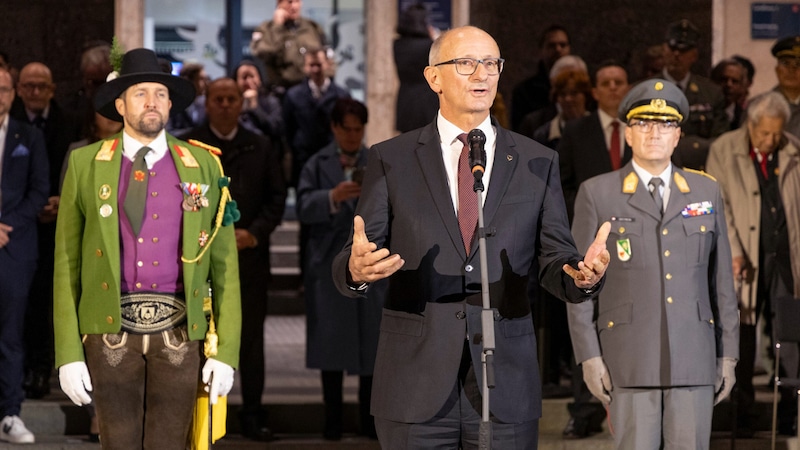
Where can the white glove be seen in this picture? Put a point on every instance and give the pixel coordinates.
(76, 382)
(597, 379)
(220, 376)
(726, 378)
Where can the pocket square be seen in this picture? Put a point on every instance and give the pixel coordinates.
(20, 150)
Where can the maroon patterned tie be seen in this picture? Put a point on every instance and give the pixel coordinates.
(615, 146)
(467, 198)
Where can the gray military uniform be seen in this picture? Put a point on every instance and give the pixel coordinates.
(668, 308)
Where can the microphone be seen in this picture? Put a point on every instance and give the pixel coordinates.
(477, 155)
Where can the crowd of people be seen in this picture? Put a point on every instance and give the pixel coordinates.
(654, 179)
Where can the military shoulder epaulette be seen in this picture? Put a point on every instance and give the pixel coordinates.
(700, 172)
(211, 148)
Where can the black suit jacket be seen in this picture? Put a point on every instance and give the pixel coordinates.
(24, 187)
(257, 184)
(433, 302)
(583, 153)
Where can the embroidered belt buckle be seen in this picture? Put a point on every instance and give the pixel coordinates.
(151, 312)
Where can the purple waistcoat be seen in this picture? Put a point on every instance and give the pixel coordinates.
(152, 260)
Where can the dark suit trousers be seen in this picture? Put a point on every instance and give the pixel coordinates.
(254, 279)
(15, 281)
(457, 424)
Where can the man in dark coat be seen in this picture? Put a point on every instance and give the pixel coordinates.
(35, 105)
(258, 187)
(23, 193)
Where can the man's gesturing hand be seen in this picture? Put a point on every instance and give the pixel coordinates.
(368, 263)
(594, 264)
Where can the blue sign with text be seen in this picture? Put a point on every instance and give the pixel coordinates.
(774, 20)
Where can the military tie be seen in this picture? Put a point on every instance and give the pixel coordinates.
(136, 196)
(467, 197)
(655, 183)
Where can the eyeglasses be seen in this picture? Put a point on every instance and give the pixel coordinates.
(33, 86)
(468, 66)
(790, 63)
(646, 126)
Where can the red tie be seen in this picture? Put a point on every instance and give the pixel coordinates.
(614, 150)
(467, 198)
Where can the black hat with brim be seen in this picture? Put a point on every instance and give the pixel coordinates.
(141, 66)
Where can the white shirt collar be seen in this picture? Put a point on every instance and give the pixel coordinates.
(32, 115)
(224, 137)
(158, 146)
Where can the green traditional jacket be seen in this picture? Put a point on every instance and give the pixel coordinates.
(87, 254)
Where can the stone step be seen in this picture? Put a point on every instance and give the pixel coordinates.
(58, 424)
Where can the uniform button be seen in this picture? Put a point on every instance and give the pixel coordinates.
(153, 286)
(138, 285)
(610, 324)
(104, 286)
(155, 263)
(109, 319)
(666, 253)
(154, 194)
(460, 315)
(98, 252)
(140, 240)
(155, 240)
(697, 145)
(468, 268)
(711, 321)
(773, 209)
(702, 228)
(669, 276)
(665, 232)
(669, 299)
(139, 263)
(199, 261)
(621, 230)
(752, 228)
(155, 216)
(195, 293)
(152, 173)
(194, 326)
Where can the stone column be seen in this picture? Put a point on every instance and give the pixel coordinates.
(382, 83)
(129, 23)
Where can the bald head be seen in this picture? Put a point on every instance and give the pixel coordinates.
(36, 87)
(464, 99)
(446, 38)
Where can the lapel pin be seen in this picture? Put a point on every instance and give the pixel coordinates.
(105, 192)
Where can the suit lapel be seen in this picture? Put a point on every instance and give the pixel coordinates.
(331, 172)
(192, 223)
(12, 140)
(640, 198)
(503, 165)
(677, 199)
(107, 167)
(429, 157)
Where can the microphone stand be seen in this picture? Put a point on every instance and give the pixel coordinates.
(487, 326)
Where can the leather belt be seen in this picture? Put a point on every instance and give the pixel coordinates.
(151, 312)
